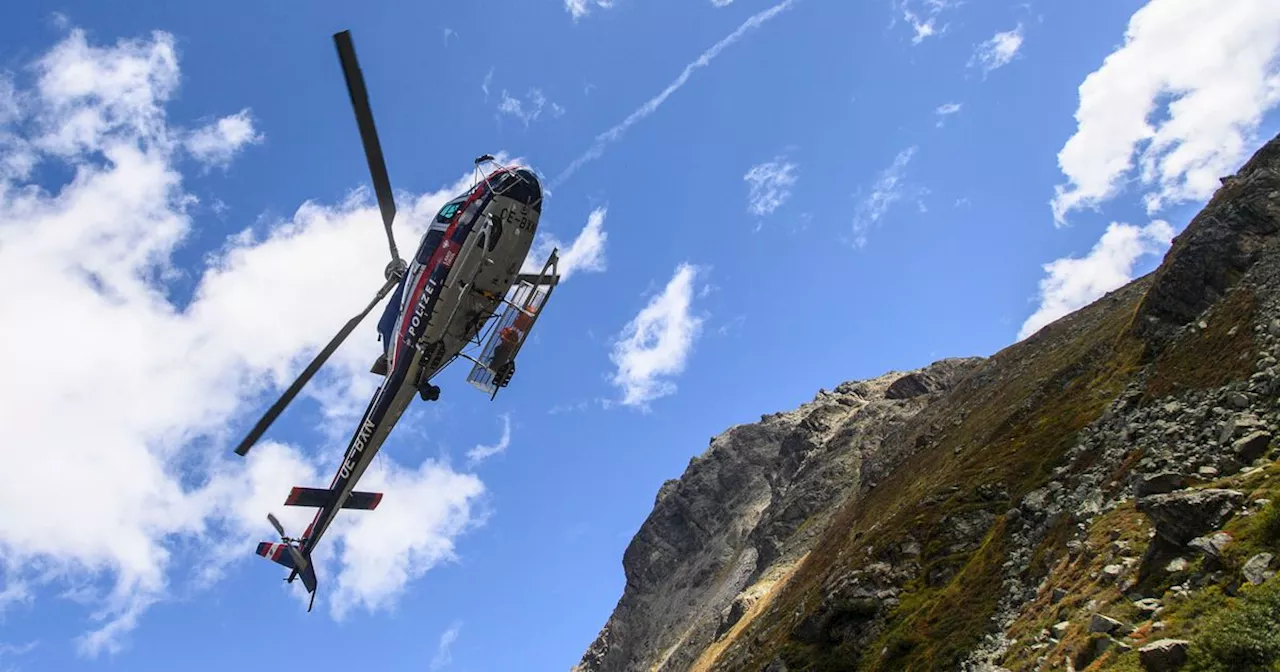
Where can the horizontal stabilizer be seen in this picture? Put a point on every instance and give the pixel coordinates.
(277, 553)
(320, 497)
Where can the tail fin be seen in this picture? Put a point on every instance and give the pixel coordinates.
(291, 556)
(320, 497)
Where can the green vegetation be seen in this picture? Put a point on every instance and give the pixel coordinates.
(1268, 524)
(1244, 636)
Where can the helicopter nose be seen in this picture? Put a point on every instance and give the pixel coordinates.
(522, 185)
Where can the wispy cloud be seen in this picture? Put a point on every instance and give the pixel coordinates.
(14, 592)
(655, 345)
(922, 16)
(945, 111)
(614, 134)
(585, 253)
(580, 8)
(218, 143)
(484, 85)
(530, 108)
(1185, 93)
(444, 650)
(998, 51)
(888, 188)
(482, 452)
(1072, 283)
(770, 185)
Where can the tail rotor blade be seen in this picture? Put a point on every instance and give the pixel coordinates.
(277, 408)
(275, 522)
(368, 133)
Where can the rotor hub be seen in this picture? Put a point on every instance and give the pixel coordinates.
(395, 269)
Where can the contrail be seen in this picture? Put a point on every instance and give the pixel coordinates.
(612, 135)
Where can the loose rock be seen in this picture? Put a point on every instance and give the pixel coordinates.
(1104, 624)
(1251, 446)
(1164, 655)
(1149, 606)
(1182, 516)
(1255, 570)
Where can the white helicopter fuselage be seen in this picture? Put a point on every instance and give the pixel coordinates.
(450, 294)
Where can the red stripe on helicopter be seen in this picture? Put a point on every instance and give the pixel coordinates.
(445, 245)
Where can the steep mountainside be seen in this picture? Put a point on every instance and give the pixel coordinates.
(1099, 495)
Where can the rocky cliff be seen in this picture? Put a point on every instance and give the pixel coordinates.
(1099, 494)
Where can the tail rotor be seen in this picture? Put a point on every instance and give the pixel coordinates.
(288, 553)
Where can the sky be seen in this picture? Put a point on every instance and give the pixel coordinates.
(754, 200)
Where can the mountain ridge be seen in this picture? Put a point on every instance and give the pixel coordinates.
(923, 519)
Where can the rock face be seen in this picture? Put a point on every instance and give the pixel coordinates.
(847, 532)
(749, 507)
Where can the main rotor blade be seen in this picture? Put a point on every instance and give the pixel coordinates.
(277, 408)
(368, 133)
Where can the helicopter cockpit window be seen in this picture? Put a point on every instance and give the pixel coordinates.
(450, 210)
(430, 242)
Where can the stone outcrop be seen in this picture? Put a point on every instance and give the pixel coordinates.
(750, 506)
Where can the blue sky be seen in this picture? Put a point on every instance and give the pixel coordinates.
(757, 200)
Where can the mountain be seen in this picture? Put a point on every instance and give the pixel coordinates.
(1101, 494)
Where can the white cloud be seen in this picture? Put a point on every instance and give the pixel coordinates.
(412, 531)
(614, 134)
(580, 8)
(488, 79)
(655, 345)
(721, 3)
(946, 110)
(444, 652)
(771, 184)
(482, 452)
(158, 387)
(1185, 92)
(1072, 283)
(529, 109)
(998, 51)
(889, 187)
(586, 253)
(218, 143)
(921, 16)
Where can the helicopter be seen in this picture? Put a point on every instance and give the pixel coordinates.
(462, 295)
